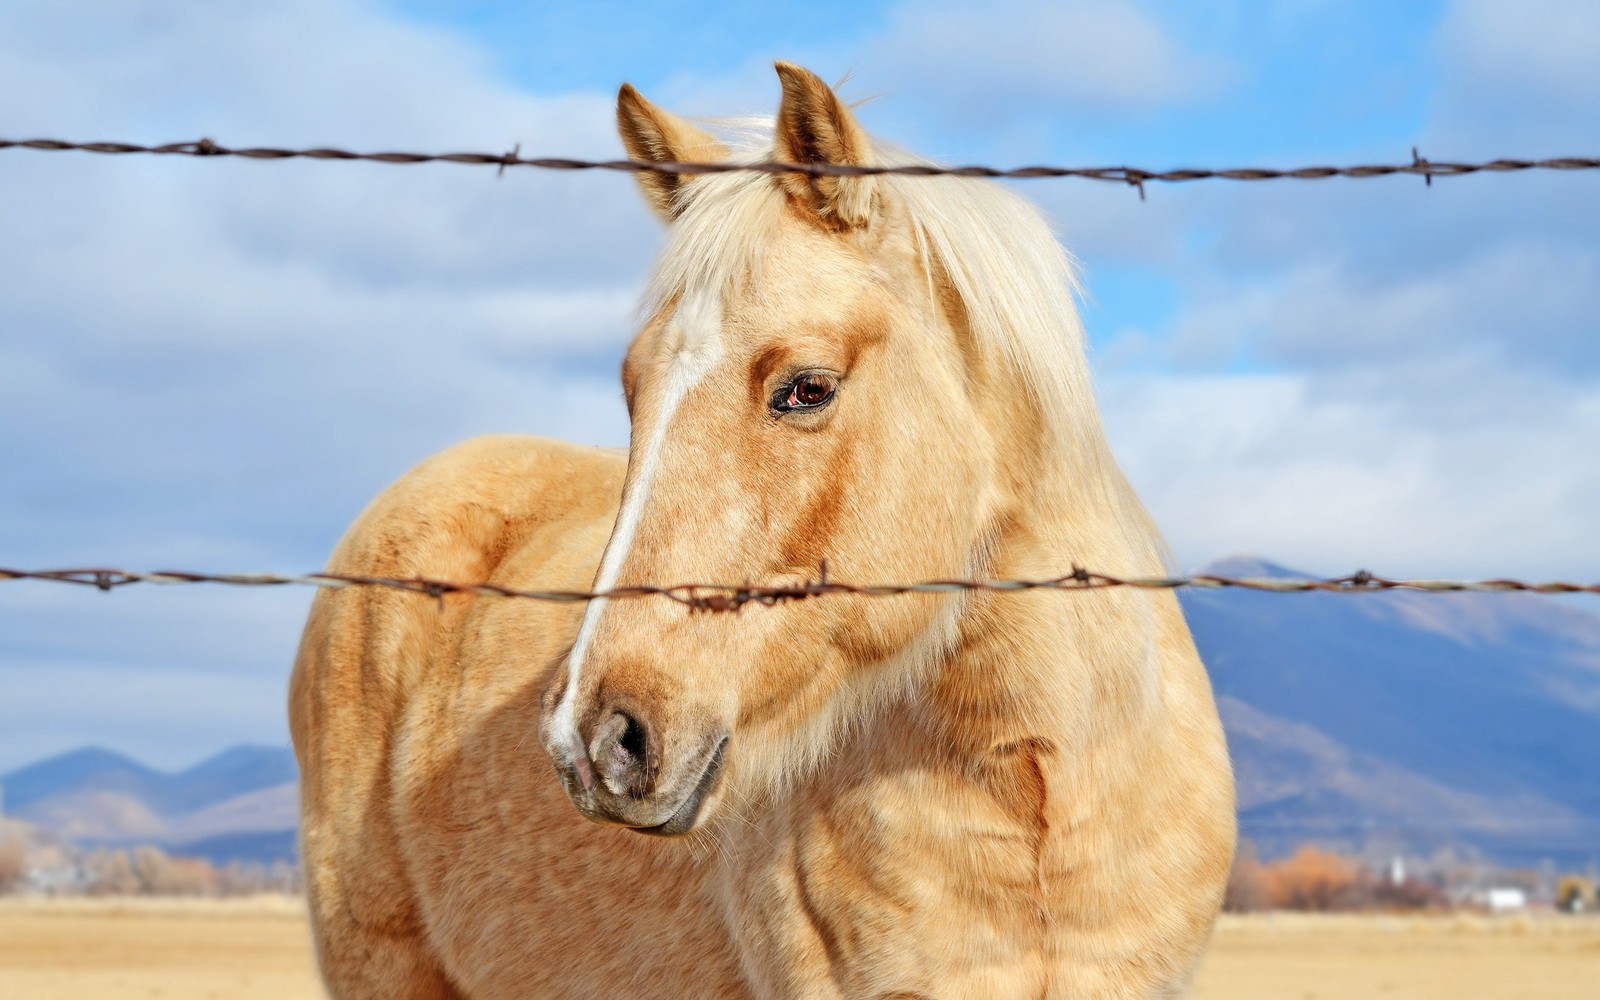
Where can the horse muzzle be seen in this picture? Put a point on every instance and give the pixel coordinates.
(623, 774)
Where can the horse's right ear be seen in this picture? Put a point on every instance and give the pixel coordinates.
(655, 136)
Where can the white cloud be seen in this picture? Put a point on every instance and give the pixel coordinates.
(979, 61)
(1332, 482)
(1525, 305)
(181, 717)
(1378, 373)
(1009, 71)
(217, 363)
(246, 322)
(1547, 45)
(167, 673)
(1524, 73)
(1416, 420)
(292, 72)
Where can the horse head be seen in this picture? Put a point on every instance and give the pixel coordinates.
(814, 381)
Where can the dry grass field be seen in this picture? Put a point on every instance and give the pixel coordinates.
(1291, 956)
(75, 949)
(257, 949)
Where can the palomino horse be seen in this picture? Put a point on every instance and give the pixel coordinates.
(933, 795)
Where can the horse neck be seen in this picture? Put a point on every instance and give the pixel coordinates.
(1066, 670)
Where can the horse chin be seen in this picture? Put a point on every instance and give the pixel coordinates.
(699, 803)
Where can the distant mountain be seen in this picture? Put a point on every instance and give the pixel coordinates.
(91, 769)
(232, 772)
(1407, 718)
(272, 808)
(244, 798)
(265, 847)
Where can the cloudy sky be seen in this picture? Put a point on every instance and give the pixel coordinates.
(213, 364)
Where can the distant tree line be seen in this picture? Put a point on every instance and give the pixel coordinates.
(29, 863)
(1311, 879)
(150, 871)
(1576, 894)
(1319, 880)
(13, 860)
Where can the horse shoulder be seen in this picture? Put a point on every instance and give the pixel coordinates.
(366, 652)
(455, 516)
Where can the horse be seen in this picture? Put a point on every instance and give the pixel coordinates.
(947, 794)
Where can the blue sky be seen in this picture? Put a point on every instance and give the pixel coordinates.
(214, 364)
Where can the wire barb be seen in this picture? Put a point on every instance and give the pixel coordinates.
(1135, 177)
(723, 597)
(1421, 166)
(510, 159)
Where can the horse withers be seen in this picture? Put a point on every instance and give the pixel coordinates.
(931, 795)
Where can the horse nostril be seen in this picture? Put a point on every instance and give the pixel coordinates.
(632, 739)
(620, 753)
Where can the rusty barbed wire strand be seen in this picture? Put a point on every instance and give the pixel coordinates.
(732, 597)
(1135, 177)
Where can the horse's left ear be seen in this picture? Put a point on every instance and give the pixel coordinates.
(814, 126)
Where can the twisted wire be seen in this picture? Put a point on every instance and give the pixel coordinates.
(726, 597)
(1134, 176)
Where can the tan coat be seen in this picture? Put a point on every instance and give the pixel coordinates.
(1011, 795)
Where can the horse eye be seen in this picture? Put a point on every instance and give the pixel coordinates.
(807, 391)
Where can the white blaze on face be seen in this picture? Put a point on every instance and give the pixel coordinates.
(695, 332)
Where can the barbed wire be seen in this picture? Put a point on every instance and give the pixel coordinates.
(1135, 176)
(731, 597)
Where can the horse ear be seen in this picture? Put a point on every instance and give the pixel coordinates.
(814, 126)
(656, 136)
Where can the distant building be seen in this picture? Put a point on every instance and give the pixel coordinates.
(1505, 900)
(56, 880)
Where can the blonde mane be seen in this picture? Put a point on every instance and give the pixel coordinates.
(1013, 277)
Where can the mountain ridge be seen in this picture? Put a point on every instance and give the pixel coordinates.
(225, 803)
(1485, 705)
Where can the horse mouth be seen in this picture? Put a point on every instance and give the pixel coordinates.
(683, 820)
